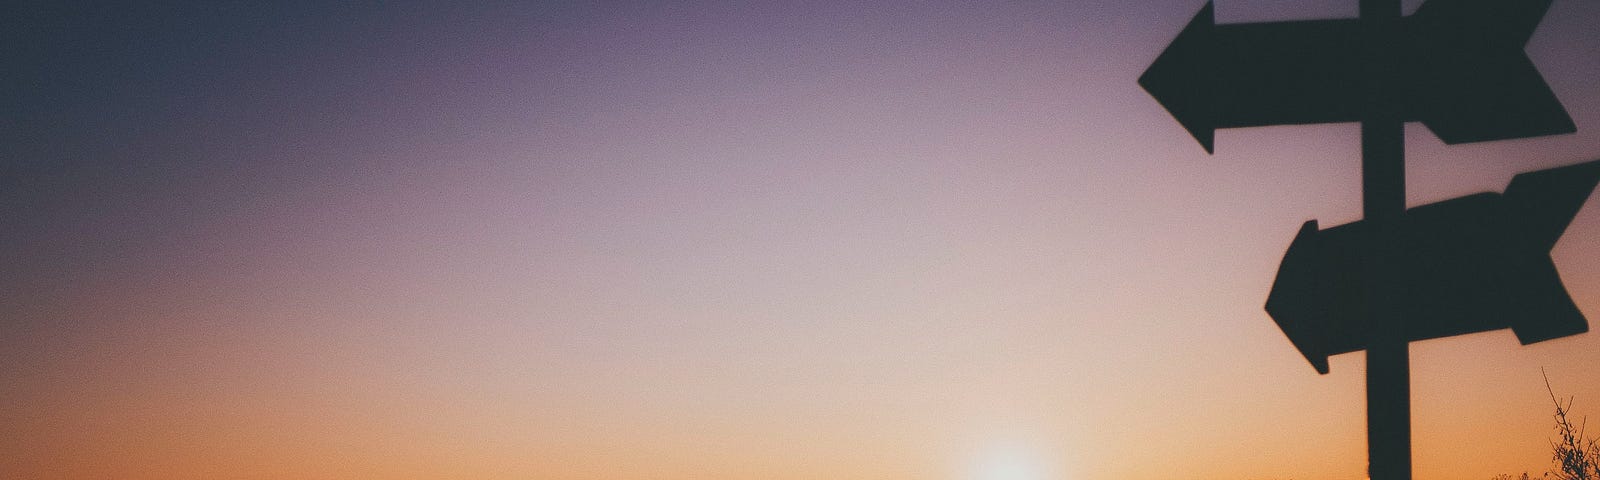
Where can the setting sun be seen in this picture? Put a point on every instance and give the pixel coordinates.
(689, 240)
(1010, 462)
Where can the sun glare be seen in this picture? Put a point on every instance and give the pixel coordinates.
(1008, 463)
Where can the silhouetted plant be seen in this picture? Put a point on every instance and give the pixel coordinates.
(1575, 454)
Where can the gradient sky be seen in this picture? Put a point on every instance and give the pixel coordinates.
(731, 240)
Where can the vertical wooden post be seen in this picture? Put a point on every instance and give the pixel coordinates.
(1383, 203)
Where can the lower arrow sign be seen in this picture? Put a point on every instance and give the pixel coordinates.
(1466, 265)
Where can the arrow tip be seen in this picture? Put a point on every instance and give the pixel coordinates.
(1295, 303)
(1178, 78)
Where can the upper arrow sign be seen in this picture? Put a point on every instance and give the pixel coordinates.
(1457, 66)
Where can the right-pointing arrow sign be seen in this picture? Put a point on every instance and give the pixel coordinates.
(1471, 264)
(1458, 66)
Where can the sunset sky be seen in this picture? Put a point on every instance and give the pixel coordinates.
(703, 240)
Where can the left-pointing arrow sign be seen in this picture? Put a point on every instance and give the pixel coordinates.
(1458, 66)
(1471, 264)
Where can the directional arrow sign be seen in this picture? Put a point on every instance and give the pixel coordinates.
(1457, 66)
(1470, 264)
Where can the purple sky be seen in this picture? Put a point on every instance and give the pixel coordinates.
(797, 240)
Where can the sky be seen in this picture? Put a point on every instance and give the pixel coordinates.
(703, 240)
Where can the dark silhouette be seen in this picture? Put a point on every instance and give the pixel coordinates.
(1575, 455)
(1465, 265)
(1470, 264)
(1457, 66)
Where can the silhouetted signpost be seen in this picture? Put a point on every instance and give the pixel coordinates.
(1465, 265)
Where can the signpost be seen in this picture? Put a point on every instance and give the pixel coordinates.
(1466, 265)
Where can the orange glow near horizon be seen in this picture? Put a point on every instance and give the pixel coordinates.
(705, 242)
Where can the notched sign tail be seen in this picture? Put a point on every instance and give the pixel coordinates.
(1545, 202)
